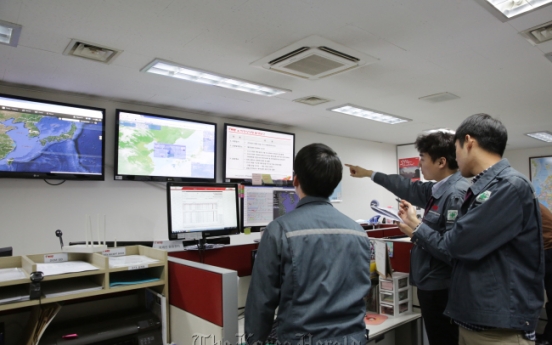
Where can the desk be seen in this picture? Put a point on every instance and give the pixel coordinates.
(409, 335)
(388, 325)
(245, 239)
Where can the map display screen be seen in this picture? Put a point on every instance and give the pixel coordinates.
(540, 169)
(48, 140)
(263, 204)
(158, 148)
(258, 151)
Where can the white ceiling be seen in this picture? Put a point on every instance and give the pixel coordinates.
(424, 47)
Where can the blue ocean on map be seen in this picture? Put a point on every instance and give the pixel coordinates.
(208, 141)
(30, 155)
(203, 170)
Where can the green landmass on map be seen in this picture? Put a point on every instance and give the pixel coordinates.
(140, 162)
(61, 137)
(29, 121)
(6, 143)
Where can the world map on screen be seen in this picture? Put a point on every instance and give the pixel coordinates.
(541, 176)
(39, 143)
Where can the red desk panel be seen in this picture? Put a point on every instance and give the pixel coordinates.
(196, 291)
(237, 258)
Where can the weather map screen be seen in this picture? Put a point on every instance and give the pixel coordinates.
(262, 204)
(48, 140)
(159, 148)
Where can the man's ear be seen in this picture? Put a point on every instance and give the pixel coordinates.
(442, 162)
(295, 181)
(470, 142)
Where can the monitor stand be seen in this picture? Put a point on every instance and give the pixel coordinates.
(207, 243)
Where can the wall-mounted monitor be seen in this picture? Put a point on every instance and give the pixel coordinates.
(160, 148)
(201, 210)
(250, 151)
(263, 204)
(51, 140)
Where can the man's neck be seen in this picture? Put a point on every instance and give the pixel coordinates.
(484, 161)
(444, 174)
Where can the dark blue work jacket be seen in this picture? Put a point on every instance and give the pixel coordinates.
(314, 265)
(497, 251)
(429, 271)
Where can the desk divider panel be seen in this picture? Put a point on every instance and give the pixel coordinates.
(237, 258)
(196, 291)
(202, 297)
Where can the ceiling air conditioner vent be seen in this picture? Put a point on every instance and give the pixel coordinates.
(313, 58)
(91, 51)
(343, 55)
(311, 100)
(539, 34)
(439, 97)
(289, 55)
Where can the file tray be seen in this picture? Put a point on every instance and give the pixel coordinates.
(148, 252)
(146, 275)
(67, 265)
(12, 271)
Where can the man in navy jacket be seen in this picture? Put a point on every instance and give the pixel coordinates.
(496, 292)
(313, 264)
(441, 201)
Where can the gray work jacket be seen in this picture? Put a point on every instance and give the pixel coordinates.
(497, 251)
(314, 265)
(427, 271)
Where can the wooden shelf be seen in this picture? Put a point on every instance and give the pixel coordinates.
(101, 276)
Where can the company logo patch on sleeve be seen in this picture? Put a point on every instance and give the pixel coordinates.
(481, 198)
(452, 214)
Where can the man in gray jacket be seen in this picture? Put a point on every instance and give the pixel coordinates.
(312, 263)
(442, 199)
(497, 291)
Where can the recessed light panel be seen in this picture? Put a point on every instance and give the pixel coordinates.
(173, 70)
(543, 136)
(9, 33)
(512, 8)
(444, 130)
(369, 114)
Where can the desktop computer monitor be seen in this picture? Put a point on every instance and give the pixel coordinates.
(263, 204)
(6, 251)
(200, 210)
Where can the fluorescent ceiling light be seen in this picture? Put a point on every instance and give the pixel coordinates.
(173, 70)
(369, 114)
(512, 8)
(543, 136)
(9, 33)
(444, 130)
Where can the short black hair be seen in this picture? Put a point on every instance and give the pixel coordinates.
(437, 145)
(318, 169)
(490, 133)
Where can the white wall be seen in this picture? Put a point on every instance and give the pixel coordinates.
(519, 159)
(31, 210)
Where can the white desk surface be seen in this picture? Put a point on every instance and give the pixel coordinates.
(386, 326)
(391, 323)
(244, 239)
